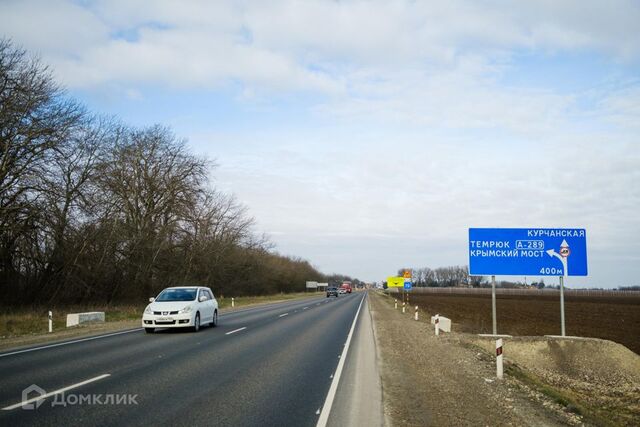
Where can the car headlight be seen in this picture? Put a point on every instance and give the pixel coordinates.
(148, 310)
(187, 309)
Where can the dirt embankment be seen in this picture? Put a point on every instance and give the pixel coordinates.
(597, 377)
(445, 381)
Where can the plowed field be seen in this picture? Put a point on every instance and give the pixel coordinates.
(613, 318)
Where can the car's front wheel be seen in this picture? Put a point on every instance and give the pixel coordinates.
(196, 323)
(214, 322)
(149, 330)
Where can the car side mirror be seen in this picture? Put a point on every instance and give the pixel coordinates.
(202, 298)
(152, 299)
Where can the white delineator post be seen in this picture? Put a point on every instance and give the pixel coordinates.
(233, 302)
(403, 307)
(416, 313)
(437, 324)
(50, 321)
(499, 370)
(396, 302)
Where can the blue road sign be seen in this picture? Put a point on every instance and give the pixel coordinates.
(407, 285)
(528, 251)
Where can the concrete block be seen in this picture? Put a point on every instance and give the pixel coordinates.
(75, 319)
(445, 323)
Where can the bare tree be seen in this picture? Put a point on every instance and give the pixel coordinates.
(68, 188)
(154, 182)
(93, 210)
(35, 119)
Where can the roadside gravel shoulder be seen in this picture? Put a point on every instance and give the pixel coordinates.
(442, 381)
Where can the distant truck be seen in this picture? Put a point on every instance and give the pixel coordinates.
(346, 286)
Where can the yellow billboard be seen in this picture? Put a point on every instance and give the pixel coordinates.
(395, 282)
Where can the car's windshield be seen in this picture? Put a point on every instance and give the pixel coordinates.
(188, 294)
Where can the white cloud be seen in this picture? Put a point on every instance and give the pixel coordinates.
(299, 45)
(423, 138)
(622, 107)
(424, 63)
(412, 197)
(54, 29)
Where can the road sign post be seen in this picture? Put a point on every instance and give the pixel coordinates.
(562, 330)
(527, 252)
(407, 284)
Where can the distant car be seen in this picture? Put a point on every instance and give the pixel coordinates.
(181, 307)
(347, 287)
(332, 292)
(342, 291)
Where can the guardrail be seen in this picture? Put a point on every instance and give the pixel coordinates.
(528, 292)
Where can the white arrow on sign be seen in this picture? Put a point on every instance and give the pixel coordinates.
(562, 259)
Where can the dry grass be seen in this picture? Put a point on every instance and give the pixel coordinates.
(33, 321)
(16, 322)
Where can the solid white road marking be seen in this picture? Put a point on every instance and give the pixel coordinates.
(53, 393)
(69, 342)
(282, 315)
(236, 330)
(326, 408)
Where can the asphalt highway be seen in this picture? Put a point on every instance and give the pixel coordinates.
(267, 366)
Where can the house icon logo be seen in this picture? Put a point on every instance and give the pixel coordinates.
(30, 395)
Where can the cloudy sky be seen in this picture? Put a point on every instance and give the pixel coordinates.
(370, 135)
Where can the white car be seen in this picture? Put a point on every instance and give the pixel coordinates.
(181, 307)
